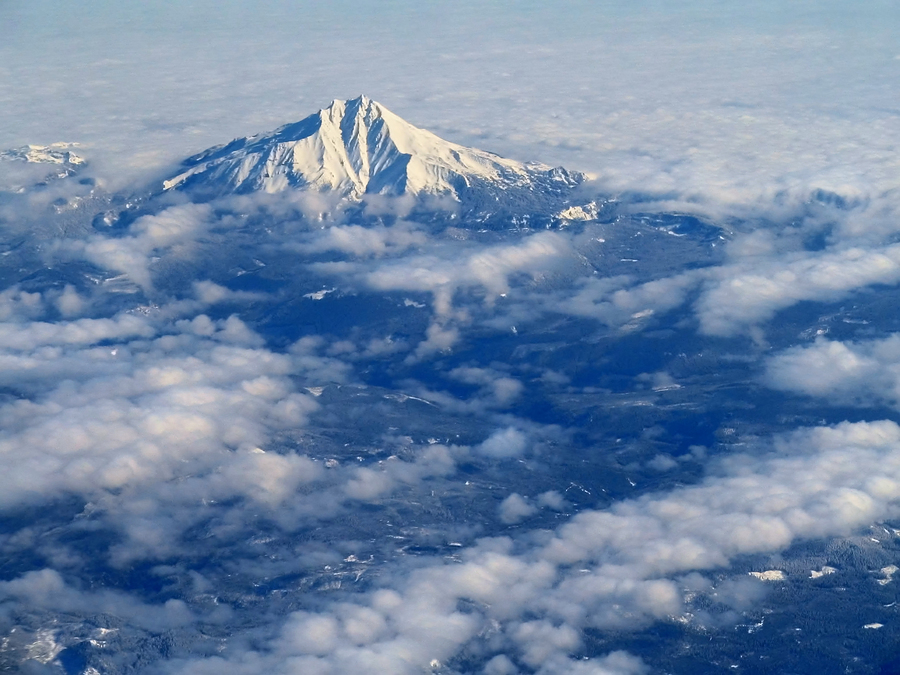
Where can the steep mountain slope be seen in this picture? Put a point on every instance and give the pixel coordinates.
(359, 147)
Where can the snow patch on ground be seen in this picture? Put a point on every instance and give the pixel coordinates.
(318, 295)
(825, 571)
(588, 211)
(888, 574)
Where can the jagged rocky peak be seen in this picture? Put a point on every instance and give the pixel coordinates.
(354, 148)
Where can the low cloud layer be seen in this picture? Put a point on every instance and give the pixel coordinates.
(411, 492)
(616, 568)
(175, 418)
(747, 295)
(648, 98)
(864, 373)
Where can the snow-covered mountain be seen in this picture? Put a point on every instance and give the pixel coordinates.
(24, 168)
(359, 147)
(55, 153)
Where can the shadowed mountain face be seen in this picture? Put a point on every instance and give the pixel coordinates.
(358, 147)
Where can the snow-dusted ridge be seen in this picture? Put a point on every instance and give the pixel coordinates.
(354, 148)
(55, 153)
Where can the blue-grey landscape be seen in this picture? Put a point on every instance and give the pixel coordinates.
(506, 338)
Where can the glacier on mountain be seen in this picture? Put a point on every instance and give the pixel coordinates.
(356, 148)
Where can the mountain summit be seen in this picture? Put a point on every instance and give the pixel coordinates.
(359, 147)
